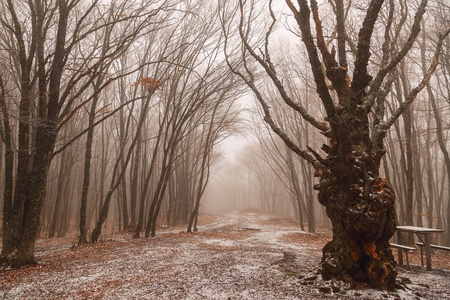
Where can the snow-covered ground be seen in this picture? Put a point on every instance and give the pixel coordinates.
(238, 256)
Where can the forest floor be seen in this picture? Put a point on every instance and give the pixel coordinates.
(234, 256)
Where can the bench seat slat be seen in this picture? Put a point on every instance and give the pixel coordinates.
(403, 247)
(433, 246)
(406, 250)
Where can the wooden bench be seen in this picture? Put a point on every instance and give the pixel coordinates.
(439, 247)
(424, 235)
(405, 248)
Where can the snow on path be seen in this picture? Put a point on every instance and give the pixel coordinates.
(264, 234)
(219, 262)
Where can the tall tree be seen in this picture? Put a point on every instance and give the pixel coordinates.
(359, 203)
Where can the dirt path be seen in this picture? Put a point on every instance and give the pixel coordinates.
(237, 256)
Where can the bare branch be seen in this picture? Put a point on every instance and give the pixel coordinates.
(337, 74)
(360, 76)
(376, 83)
(383, 127)
(387, 36)
(76, 137)
(302, 19)
(340, 23)
(270, 70)
(267, 116)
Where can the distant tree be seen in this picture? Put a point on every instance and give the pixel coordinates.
(358, 201)
(211, 132)
(442, 128)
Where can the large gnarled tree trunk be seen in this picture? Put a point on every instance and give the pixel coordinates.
(359, 204)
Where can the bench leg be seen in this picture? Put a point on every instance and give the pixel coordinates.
(428, 251)
(407, 259)
(399, 241)
(421, 254)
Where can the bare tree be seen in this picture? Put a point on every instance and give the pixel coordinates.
(358, 201)
(441, 139)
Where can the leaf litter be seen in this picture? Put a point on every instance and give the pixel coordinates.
(234, 256)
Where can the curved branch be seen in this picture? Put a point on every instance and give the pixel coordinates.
(289, 143)
(270, 70)
(76, 137)
(387, 36)
(267, 116)
(328, 58)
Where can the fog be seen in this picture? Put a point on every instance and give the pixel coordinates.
(160, 110)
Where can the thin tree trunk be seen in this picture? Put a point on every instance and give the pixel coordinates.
(441, 141)
(9, 160)
(115, 182)
(445, 153)
(430, 177)
(87, 173)
(296, 188)
(409, 170)
(417, 174)
(134, 184)
(146, 183)
(60, 186)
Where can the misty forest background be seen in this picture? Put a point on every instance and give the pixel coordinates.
(154, 126)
